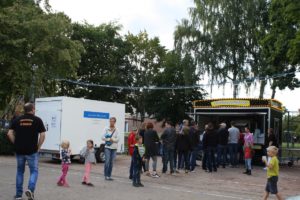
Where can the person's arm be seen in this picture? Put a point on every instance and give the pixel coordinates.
(268, 165)
(103, 135)
(41, 140)
(11, 136)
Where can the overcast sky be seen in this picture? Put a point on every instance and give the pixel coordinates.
(159, 18)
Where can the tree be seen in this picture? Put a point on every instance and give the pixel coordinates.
(104, 62)
(146, 58)
(281, 43)
(35, 49)
(174, 104)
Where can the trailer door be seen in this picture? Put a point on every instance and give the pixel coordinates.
(50, 113)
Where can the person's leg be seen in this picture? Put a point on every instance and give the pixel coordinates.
(107, 162)
(219, 155)
(179, 160)
(33, 162)
(175, 159)
(165, 160)
(131, 169)
(214, 165)
(154, 163)
(266, 196)
(204, 159)
(230, 146)
(279, 197)
(209, 159)
(113, 153)
(235, 149)
(134, 176)
(194, 158)
(171, 160)
(88, 167)
(186, 161)
(147, 164)
(20, 175)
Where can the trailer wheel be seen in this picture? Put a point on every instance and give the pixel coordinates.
(100, 156)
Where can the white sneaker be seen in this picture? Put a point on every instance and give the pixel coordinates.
(154, 175)
(193, 171)
(29, 195)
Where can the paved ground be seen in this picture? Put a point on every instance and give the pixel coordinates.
(226, 184)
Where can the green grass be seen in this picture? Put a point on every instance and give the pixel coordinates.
(296, 145)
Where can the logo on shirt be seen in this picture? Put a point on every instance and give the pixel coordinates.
(26, 122)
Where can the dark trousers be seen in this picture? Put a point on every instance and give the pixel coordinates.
(184, 156)
(211, 158)
(233, 151)
(204, 159)
(222, 154)
(193, 157)
(136, 178)
(168, 157)
(131, 168)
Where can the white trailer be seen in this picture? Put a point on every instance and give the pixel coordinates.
(78, 120)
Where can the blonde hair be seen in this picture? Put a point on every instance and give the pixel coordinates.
(65, 144)
(273, 149)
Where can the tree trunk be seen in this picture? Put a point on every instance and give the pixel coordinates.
(273, 93)
(263, 84)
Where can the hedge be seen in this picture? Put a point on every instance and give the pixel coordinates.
(6, 147)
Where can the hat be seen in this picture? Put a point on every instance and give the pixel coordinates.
(223, 124)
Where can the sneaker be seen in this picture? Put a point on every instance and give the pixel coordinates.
(177, 172)
(186, 171)
(130, 177)
(140, 185)
(29, 195)
(155, 175)
(90, 184)
(193, 171)
(109, 179)
(18, 198)
(135, 185)
(83, 183)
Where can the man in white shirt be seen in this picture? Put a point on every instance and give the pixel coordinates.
(234, 135)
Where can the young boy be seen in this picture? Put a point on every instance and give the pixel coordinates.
(137, 161)
(272, 173)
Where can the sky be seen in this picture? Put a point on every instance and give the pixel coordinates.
(159, 18)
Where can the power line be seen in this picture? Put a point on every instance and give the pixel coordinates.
(247, 80)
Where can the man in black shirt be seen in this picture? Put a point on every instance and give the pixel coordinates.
(223, 135)
(27, 133)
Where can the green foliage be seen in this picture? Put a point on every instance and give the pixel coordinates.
(281, 43)
(6, 147)
(35, 48)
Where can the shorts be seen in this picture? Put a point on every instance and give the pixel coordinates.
(271, 186)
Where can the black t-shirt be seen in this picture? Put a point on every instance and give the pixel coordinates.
(27, 129)
(272, 138)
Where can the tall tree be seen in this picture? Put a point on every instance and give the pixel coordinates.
(174, 104)
(281, 43)
(146, 58)
(35, 49)
(104, 62)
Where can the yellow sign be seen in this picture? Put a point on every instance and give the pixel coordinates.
(238, 103)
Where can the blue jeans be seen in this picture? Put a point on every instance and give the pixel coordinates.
(32, 161)
(233, 152)
(168, 156)
(248, 163)
(183, 158)
(193, 158)
(222, 154)
(131, 168)
(110, 155)
(211, 159)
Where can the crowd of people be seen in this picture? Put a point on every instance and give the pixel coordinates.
(180, 148)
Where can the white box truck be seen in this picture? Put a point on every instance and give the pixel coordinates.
(78, 120)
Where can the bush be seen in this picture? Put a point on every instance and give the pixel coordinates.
(6, 147)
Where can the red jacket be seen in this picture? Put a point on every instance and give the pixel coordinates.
(131, 143)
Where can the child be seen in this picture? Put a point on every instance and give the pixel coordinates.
(65, 161)
(248, 143)
(138, 158)
(272, 173)
(88, 153)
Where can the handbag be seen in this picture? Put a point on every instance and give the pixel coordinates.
(109, 143)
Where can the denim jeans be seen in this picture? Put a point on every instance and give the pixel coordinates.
(32, 161)
(233, 152)
(136, 174)
(193, 158)
(183, 156)
(211, 158)
(154, 163)
(204, 159)
(110, 155)
(222, 154)
(248, 163)
(168, 156)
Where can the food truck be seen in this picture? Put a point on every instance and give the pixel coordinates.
(257, 114)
